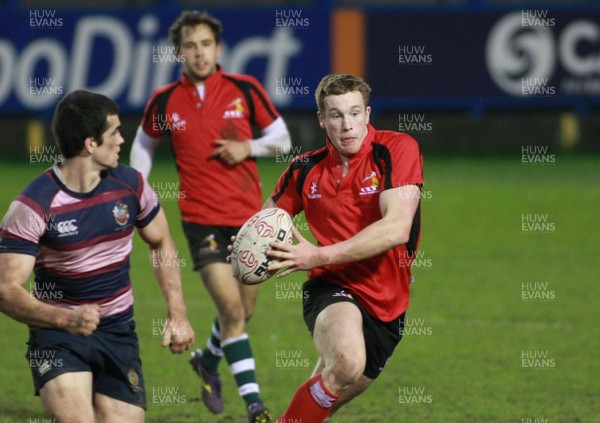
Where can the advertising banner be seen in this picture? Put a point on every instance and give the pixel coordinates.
(125, 54)
(481, 57)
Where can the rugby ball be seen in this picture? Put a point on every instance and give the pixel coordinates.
(249, 259)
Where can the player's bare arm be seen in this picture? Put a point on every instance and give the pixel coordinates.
(18, 303)
(398, 206)
(179, 334)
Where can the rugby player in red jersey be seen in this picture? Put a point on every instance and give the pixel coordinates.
(361, 198)
(209, 116)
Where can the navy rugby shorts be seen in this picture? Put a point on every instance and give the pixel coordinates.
(381, 338)
(111, 354)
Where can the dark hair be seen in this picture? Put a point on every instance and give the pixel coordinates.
(337, 84)
(79, 115)
(193, 18)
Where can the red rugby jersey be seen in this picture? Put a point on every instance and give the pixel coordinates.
(212, 192)
(337, 208)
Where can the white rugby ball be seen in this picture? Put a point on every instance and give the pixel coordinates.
(249, 260)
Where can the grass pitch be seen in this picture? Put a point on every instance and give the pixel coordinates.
(502, 325)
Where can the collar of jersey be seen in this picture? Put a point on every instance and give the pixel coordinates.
(186, 81)
(54, 172)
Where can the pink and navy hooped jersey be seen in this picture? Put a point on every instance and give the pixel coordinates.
(81, 241)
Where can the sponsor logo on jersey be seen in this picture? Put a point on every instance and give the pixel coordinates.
(314, 191)
(370, 184)
(235, 110)
(121, 213)
(67, 228)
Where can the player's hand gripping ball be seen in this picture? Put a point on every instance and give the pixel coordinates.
(249, 259)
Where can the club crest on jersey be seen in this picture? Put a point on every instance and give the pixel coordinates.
(235, 110)
(370, 184)
(121, 213)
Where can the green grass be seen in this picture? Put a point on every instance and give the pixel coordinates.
(463, 360)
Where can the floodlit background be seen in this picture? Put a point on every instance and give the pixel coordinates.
(503, 97)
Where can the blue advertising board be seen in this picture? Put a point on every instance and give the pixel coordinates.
(125, 53)
(464, 57)
(478, 58)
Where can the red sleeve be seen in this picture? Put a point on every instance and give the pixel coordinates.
(155, 112)
(286, 195)
(264, 111)
(150, 117)
(407, 162)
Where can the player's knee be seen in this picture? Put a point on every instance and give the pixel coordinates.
(346, 370)
(231, 315)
